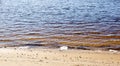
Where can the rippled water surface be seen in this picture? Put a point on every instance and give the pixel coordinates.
(60, 21)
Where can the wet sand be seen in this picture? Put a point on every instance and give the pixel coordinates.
(54, 57)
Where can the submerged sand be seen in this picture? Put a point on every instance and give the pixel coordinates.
(54, 57)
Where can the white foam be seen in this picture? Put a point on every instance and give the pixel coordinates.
(24, 47)
(113, 50)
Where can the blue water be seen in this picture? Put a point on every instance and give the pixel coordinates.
(57, 17)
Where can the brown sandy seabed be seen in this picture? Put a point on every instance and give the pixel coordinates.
(53, 57)
(73, 41)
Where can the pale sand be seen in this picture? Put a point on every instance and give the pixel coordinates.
(54, 57)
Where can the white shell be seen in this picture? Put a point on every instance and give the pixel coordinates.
(63, 48)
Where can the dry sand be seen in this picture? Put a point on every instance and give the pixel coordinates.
(54, 57)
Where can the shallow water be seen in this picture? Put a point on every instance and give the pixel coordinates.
(31, 21)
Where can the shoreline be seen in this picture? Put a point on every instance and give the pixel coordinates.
(52, 46)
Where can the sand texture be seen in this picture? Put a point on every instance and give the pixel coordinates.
(54, 57)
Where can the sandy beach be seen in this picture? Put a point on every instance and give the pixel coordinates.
(54, 57)
(32, 32)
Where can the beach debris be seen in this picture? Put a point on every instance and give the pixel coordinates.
(64, 48)
(45, 57)
(40, 60)
(24, 47)
(113, 50)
